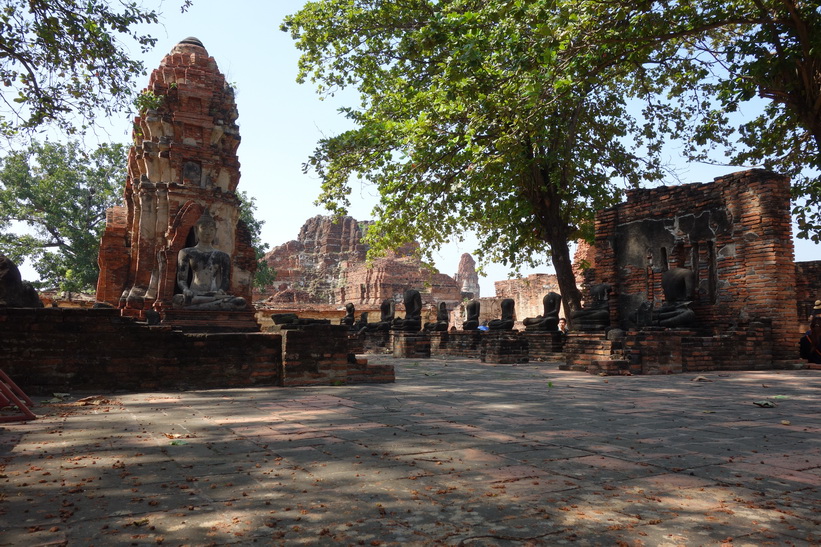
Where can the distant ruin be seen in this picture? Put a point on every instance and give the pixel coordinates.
(326, 268)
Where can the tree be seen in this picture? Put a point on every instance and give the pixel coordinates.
(64, 57)
(264, 275)
(471, 118)
(709, 60)
(60, 194)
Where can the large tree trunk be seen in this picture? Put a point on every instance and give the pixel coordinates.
(557, 233)
(563, 264)
(549, 207)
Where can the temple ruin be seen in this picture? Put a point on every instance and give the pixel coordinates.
(182, 163)
(176, 267)
(679, 279)
(734, 237)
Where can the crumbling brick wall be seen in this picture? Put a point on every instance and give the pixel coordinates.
(734, 233)
(68, 349)
(65, 349)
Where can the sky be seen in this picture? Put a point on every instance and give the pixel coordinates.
(281, 121)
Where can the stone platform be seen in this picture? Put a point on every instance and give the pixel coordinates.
(657, 350)
(411, 345)
(504, 347)
(64, 349)
(545, 345)
(456, 344)
(210, 320)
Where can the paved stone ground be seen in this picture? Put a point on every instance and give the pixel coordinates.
(454, 453)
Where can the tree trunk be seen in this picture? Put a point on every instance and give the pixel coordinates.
(548, 206)
(563, 264)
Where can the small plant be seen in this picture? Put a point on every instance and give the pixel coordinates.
(148, 100)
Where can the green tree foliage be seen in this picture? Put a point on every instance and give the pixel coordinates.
(61, 58)
(53, 199)
(472, 117)
(264, 275)
(57, 194)
(699, 64)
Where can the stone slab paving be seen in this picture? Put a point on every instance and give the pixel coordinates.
(455, 452)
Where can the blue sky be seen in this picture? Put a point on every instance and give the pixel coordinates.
(281, 121)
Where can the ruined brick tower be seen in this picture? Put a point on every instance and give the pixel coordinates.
(467, 277)
(183, 161)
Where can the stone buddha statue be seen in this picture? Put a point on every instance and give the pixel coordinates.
(412, 322)
(442, 318)
(507, 320)
(203, 273)
(350, 316)
(550, 320)
(678, 285)
(386, 317)
(596, 314)
(473, 309)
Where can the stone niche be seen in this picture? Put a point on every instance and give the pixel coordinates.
(734, 234)
(183, 161)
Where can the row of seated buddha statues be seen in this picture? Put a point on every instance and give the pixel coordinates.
(412, 322)
(505, 322)
(678, 286)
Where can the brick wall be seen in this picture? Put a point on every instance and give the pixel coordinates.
(734, 233)
(318, 355)
(55, 349)
(62, 350)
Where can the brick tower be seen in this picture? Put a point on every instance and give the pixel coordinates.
(183, 161)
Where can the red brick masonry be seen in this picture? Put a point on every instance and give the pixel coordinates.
(60, 350)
